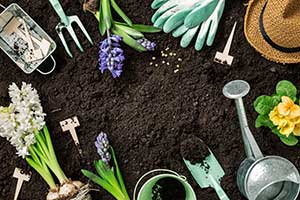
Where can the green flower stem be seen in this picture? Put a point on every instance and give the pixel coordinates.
(40, 167)
(44, 151)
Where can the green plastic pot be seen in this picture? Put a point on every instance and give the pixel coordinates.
(145, 192)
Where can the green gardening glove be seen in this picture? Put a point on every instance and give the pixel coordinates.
(169, 8)
(192, 18)
(206, 31)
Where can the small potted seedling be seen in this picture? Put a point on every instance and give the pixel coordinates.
(111, 55)
(108, 175)
(23, 124)
(280, 112)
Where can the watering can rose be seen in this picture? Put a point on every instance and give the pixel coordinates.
(280, 112)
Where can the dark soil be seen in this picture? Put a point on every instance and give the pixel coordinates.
(194, 150)
(167, 189)
(150, 110)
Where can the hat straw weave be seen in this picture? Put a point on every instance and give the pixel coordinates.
(272, 27)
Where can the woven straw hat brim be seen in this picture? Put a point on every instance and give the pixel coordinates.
(255, 38)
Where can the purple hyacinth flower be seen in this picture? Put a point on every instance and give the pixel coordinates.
(111, 56)
(150, 46)
(102, 145)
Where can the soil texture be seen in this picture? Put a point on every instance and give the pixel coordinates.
(150, 109)
(167, 189)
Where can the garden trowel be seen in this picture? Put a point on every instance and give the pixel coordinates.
(208, 173)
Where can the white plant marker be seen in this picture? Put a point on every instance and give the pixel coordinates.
(70, 125)
(21, 178)
(224, 57)
(34, 54)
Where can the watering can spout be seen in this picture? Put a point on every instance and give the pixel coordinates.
(237, 90)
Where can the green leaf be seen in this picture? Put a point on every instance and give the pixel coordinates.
(107, 17)
(128, 40)
(263, 120)
(119, 174)
(142, 28)
(264, 105)
(130, 31)
(290, 141)
(100, 18)
(120, 12)
(146, 28)
(286, 88)
(103, 183)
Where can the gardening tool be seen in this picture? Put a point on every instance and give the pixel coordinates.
(24, 41)
(259, 177)
(66, 23)
(224, 57)
(21, 178)
(145, 192)
(208, 174)
(186, 18)
(70, 125)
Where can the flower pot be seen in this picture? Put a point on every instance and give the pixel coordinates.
(145, 192)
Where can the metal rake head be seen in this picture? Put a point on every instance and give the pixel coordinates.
(72, 20)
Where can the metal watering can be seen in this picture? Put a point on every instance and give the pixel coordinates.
(261, 177)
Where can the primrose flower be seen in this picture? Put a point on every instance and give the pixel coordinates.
(102, 145)
(285, 125)
(150, 46)
(111, 56)
(288, 108)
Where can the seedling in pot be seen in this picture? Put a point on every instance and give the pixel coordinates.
(23, 124)
(70, 125)
(18, 174)
(224, 57)
(168, 188)
(203, 165)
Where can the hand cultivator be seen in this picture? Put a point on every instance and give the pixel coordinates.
(66, 23)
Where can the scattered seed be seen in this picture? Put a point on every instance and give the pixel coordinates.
(151, 63)
(177, 66)
(167, 48)
(179, 59)
(168, 63)
(153, 58)
(176, 70)
(171, 54)
(156, 65)
(174, 54)
(163, 62)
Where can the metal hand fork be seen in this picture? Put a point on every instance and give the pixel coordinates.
(66, 22)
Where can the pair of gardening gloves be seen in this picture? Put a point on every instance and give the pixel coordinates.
(187, 18)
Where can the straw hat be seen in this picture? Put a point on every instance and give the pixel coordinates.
(272, 27)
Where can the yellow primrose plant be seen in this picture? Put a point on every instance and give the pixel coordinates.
(280, 112)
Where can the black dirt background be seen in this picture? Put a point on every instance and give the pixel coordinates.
(150, 110)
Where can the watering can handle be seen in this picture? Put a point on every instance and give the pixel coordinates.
(49, 72)
(220, 192)
(150, 172)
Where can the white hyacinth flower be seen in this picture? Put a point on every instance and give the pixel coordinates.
(22, 118)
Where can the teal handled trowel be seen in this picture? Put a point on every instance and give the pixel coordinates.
(208, 173)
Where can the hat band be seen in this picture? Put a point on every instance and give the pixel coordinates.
(269, 40)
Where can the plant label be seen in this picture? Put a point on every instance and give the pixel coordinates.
(70, 125)
(21, 178)
(224, 57)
